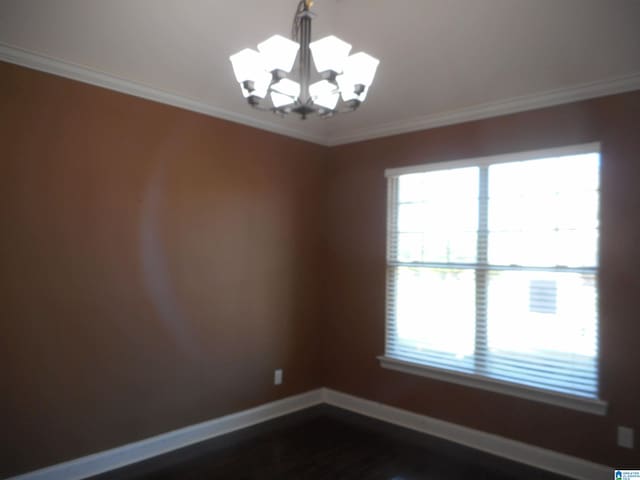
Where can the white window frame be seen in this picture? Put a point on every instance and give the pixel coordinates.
(594, 406)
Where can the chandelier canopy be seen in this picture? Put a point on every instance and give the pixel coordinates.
(342, 80)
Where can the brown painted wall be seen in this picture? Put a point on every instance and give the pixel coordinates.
(156, 265)
(354, 319)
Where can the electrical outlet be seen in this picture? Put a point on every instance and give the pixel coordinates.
(277, 377)
(625, 437)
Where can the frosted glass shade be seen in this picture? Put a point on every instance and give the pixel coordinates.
(325, 94)
(247, 65)
(287, 87)
(329, 53)
(348, 89)
(323, 87)
(278, 53)
(361, 68)
(280, 100)
(328, 101)
(260, 85)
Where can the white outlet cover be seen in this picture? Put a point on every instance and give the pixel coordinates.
(277, 377)
(625, 437)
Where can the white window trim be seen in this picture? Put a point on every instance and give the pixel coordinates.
(491, 160)
(588, 405)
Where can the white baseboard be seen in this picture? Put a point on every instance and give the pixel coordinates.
(135, 452)
(138, 451)
(540, 458)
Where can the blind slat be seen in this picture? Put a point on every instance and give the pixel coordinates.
(579, 369)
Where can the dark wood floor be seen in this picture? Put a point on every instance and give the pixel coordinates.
(326, 443)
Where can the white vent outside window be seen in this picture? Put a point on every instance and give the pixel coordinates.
(492, 268)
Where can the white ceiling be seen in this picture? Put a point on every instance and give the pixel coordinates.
(442, 61)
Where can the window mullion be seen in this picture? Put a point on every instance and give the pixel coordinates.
(482, 274)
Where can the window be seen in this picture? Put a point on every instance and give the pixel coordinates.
(492, 269)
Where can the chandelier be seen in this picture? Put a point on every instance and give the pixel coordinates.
(341, 84)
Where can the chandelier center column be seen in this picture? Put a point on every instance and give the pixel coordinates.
(305, 54)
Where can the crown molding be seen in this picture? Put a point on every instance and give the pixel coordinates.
(508, 106)
(83, 74)
(523, 103)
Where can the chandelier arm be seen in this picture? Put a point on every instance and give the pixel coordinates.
(260, 108)
(348, 109)
(255, 103)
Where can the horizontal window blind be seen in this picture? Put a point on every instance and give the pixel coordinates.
(492, 270)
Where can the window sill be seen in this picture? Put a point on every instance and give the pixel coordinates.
(596, 407)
